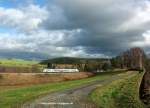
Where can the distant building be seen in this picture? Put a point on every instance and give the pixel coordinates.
(64, 66)
(61, 70)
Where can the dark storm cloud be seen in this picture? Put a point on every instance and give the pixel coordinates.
(106, 26)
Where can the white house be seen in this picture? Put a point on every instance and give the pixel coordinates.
(60, 70)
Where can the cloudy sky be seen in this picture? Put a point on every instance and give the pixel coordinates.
(77, 28)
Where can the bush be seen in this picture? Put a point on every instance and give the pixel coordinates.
(106, 66)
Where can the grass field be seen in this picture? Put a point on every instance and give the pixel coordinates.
(23, 79)
(12, 96)
(17, 62)
(119, 94)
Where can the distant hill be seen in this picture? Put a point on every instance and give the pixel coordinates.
(72, 60)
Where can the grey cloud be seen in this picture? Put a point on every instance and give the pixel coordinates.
(101, 22)
(85, 28)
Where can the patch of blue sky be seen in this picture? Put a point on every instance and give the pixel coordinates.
(7, 30)
(9, 3)
(16, 3)
(40, 2)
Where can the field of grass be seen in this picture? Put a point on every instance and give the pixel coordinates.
(23, 79)
(13, 97)
(123, 93)
(17, 62)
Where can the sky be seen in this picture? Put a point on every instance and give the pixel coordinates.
(74, 28)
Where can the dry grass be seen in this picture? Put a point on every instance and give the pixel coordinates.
(16, 79)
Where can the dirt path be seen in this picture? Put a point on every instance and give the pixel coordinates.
(72, 98)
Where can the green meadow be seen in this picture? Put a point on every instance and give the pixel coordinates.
(17, 62)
